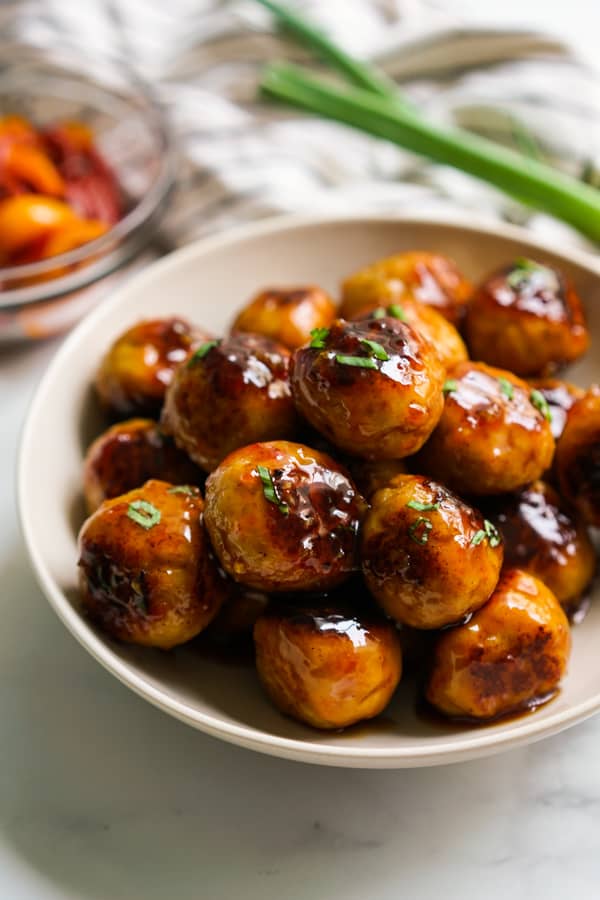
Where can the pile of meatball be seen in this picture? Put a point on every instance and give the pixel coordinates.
(397, 481)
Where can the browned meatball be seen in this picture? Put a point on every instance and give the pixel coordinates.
(429, 323)
(232, 627)
(578, 457)
(146, 572)
(544, 538)
(526, 318)
(560, 397)
(137, 369)
(511, 655)
(127, 455)
(283, 517)
(430, 278)
(373, 387)
(427, 557)
(328, 667)
(370, 475)
(230, 393)
(494, 435)
(287, 315)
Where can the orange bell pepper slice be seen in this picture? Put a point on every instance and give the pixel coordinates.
(27, 218)
(28, 164)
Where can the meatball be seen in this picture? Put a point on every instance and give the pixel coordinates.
(428, 559)
(137, 369)
(232, 627)
(544, 538)
(578, 457)
(129, 454)
(511, 655)
(430, 278)
(560, 397)
(230, 393)
(328, 667)
(526, 318)
(146, 572)
(494, 435)
(373, 387)
(430, 324)
(372, 474)
(287, 315)
(283, 517)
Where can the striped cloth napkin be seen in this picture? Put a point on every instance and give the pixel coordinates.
(246, 158)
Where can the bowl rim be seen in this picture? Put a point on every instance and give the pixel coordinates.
(139, 214)
(483, 743)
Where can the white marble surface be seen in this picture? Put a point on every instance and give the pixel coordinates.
(104, 798)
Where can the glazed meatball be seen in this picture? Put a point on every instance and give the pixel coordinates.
(526, 318)
(283, 517)
(370, 475)
(560, 397)
(137, 369)
(230, 393)
(430, 278)
(232, 627)
(494, 435)
(328, 667)
(373, 387)
(429, 323)
(578, 457)
(511, 655)
(129, 454)
(146, 572)
(287, 315)
(428, 559)
(544, 538)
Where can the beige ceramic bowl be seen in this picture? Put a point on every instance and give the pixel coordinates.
(207, 282)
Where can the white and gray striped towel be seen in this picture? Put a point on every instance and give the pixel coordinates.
(246, 158)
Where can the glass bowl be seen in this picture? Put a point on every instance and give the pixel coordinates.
(43, 298)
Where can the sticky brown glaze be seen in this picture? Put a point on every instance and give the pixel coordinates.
(510, 655)
(157, 585)
(137, 369)
(287, 315)
(429, 323)
(230, 393)
(491, 439)
(544, 538)
(578, 457)
(129, 454)
(560, 397)
(329, 667)
(386, 411)
(526, 318)
(303, 538)
(429, 566)
(430, 278)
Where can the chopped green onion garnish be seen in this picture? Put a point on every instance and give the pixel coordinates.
(396, 312)
(319, 336)
(143, 513)
(181, 489)
(378, 313)
(422, 507)
(201, 352)
(360, 362)
(541, 404)
(450, 385)
(419, 530)
(493, 535)
(269, 490)
(478, 537)
(507, 387)
(376, 349)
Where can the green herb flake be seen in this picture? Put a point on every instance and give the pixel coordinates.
(422, 507)
(182, 489)
(378, 313)
(269, 490)
(201, 352)
(319, 336)
(143, 513)
(376, 349)
(450, 385)
(507, 387)
(420, 529)
(360, 362)
(478, 537)
(396, 312)
(541, 404)
(492, 533)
